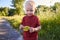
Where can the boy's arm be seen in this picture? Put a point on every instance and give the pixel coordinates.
(38, 25)
(37, 28)
(21, 27)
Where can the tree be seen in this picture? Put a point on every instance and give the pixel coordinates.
(11, 12)
(42, 9)
(18, 4)
(5, 9)
(57, 5)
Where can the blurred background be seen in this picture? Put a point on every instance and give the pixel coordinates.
(48, 12)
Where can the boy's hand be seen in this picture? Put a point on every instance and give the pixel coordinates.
(32, 29)
(35, 29)
(21, 27)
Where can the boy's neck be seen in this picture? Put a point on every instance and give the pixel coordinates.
(29, 15)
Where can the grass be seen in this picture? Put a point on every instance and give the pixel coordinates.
(50, 25)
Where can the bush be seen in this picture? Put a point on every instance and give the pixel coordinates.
(50, 30)
(14, 20)
(50, 26)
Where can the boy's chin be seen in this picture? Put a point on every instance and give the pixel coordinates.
(30, 15)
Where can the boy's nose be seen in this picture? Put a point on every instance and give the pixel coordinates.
(29, 12)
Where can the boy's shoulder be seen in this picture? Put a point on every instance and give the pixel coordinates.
(35, 16)
(25, 16)
(32, 16)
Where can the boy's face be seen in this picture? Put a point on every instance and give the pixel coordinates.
(29, 10)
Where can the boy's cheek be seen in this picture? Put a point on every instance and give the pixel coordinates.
(29, 13)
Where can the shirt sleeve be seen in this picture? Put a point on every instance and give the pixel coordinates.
(38, 23)
(22, 21)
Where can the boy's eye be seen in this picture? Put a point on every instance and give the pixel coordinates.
(30, 10)
(27, 10)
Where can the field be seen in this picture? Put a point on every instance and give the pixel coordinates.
(50, 24)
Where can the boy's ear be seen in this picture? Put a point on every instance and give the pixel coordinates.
(35, 8)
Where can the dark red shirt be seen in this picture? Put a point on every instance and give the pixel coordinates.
(31, 21)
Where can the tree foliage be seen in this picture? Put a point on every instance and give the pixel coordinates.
(18, 4)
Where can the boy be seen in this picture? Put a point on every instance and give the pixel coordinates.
(30, 20)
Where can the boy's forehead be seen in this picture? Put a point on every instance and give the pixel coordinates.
(32, 3)
(29, 7)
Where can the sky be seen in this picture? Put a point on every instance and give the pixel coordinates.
(7, 3)
(46, 2)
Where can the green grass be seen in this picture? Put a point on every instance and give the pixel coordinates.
(50, 25)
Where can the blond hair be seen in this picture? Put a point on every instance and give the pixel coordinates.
(30, 2)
